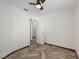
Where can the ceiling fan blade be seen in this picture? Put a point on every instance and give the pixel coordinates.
(32, 3)
(42, 1)
(41, 8)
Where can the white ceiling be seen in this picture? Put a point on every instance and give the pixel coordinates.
(49, 5)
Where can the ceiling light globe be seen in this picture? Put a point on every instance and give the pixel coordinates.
(38, 6)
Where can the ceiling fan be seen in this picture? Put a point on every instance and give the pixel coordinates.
(38, 4)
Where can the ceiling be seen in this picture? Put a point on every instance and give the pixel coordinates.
(49, 5)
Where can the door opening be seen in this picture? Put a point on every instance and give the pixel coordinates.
(33, 31)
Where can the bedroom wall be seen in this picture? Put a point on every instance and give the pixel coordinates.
(77, 27)
(58, 28)
(14, 28)
(6, 28)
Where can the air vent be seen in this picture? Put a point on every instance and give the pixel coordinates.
(25, 9)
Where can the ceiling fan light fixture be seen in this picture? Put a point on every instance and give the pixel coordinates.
(38, 6)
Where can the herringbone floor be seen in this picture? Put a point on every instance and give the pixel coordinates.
(38, 51)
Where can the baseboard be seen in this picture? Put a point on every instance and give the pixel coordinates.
(59, 46)
(63, 47)
(15, 51)
(77, 54)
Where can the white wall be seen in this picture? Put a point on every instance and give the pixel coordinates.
(6, 38)
(14, 28)
(77, 27)
(58, 28)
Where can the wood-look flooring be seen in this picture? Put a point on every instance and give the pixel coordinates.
(46, 51)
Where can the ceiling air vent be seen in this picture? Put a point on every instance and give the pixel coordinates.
(25, 9)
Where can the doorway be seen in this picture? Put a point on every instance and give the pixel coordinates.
(33, 31)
